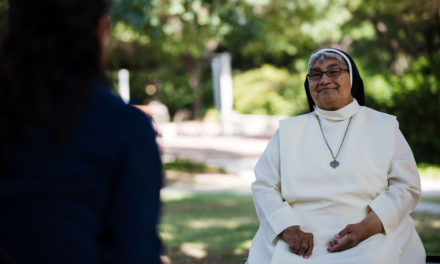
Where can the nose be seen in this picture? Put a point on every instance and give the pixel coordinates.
(324, 79)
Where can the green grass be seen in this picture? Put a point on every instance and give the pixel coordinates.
(426, 170)
(434, 199)
(191, 166)
(218, 228)
(428, 227)
(208, 228)
(429, 170)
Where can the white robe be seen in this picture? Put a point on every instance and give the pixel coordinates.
(295, 185)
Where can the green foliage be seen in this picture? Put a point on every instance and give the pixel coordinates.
(132, 12)
(269, 90)
(417, 106)
(414, 98)
(395, 44)
(175, 92)
(401, 71)
(172, 88)
(429, 170)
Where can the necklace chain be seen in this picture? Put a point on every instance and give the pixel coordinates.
(334, 163)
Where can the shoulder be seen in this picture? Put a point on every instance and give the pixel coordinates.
(112, 111)
(105, 98)
(377, 123)
(374, 116)
(296, 119)
(297, 124)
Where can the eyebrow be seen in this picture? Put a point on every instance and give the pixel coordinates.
(328, 67)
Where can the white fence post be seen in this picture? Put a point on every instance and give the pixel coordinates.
(124, 85)
(223, 89)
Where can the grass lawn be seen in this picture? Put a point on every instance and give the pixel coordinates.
(218, 228)
(428, 227)
(426, 170)
(190, 166)
(429, 170)
(208, 228)
(433, 199)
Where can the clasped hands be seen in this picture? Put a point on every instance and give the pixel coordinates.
(301, 243)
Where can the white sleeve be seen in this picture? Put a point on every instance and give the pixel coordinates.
(404, 190)
(274, 213)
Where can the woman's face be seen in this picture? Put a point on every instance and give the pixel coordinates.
(330, 93)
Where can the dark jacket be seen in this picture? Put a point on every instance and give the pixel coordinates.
(94, 199)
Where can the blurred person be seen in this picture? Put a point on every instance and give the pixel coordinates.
(80, 170)
(336, 185)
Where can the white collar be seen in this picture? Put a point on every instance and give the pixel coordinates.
(340, 114)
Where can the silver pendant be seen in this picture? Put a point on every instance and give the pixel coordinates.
(334, 164)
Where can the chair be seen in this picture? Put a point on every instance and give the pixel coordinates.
(432, 259)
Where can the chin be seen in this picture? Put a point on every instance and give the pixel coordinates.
(329, 106)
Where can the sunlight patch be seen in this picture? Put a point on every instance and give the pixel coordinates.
(233, 223)
(171, 195)
(243, 247)
(199, 224)
(435, 224)
(195, 250)
(167, 236)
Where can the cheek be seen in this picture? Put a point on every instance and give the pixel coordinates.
(347, 87)
(312, 88)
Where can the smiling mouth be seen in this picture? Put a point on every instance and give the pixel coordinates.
(325, 89)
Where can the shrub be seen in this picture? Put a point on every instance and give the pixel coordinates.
(269, 90)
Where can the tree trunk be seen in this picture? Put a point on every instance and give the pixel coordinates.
(193, 67)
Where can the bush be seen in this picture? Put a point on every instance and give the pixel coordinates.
(416, 103)
(172, 88)
(271, 91)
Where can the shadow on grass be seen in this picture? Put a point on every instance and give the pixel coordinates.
(428, 227)
(218, 228)
(187, 165)
(208, 228)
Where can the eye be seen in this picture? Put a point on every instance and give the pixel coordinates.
(315, 74)
(333, 72)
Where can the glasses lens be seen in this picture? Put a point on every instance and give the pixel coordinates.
(316, 75)
(334, 72)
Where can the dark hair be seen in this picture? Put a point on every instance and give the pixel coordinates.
(50, 54)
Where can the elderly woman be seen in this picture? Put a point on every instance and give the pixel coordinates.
(336, 185)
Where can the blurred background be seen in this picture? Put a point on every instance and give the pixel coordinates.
(167, 46)
(217, 75)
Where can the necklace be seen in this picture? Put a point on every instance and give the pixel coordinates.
(333, 163)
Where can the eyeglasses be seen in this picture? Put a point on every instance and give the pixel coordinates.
(332, 73)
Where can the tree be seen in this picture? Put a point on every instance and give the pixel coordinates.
(185, 33)
(181, 33)
(394, 42)
(406, 56)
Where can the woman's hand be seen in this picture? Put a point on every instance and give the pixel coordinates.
(299, 242)
(353, 234)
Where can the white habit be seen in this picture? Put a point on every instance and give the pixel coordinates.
(295, 185)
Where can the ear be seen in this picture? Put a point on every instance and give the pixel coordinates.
(102, 30)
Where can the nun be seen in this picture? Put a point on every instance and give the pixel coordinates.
(336, 185)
